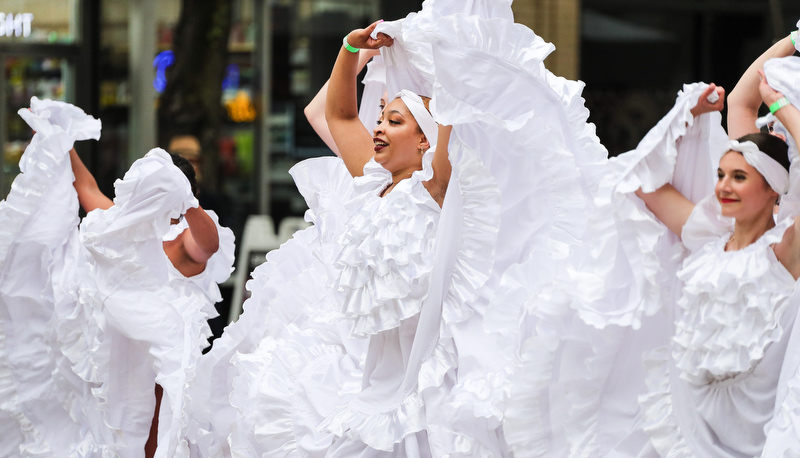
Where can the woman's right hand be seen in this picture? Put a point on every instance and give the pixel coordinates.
(360, 38)
(703, 104)
(768, 95)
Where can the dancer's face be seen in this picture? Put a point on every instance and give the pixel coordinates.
(399, 143)
(741, 190)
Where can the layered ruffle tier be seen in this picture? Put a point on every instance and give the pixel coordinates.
(104, 326)
(292, 311)
(592, 320)
(387, 253)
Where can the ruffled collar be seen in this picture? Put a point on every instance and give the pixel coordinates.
(732, 307)
(376, 178)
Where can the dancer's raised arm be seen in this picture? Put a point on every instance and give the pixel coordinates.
(745, 98)
(788, 250)
(355, 143)
(670, 206)
(315, 110)
(89, 194)
(191, 249)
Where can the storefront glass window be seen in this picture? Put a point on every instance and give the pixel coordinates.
(37, 21)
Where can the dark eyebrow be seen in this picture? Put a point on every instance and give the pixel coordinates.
(719, 170)
(395, 111)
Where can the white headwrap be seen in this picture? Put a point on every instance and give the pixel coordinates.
(776, 175)
(417, 108)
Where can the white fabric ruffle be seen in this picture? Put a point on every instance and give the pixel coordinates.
(289, 298)
(38, 225)
(294, 383)
(627, 260)
(581, 321)
(732, 303)
(384, 274)
(658, 414)
(93, 306)
(135, 320)
(784, 429)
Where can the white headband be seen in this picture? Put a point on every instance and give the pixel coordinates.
(776, 175)
(421, 114)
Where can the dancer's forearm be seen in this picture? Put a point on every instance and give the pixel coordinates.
(89, 194)
(341, 107)
(315, 110)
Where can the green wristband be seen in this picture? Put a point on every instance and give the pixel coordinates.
(793, 36)
(347, 45)
(780, 103)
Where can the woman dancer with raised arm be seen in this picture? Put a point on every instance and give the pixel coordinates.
(113, 321)
(365, 335)
(710, 388)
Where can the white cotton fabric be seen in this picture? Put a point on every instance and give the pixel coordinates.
(582, 358)
(369, 111)
(774, 173)
(780, 73)
(109, 326)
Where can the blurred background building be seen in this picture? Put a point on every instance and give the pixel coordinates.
(152, 70)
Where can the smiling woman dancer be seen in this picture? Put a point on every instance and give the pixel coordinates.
(711, 389)
(382, 269)
(364, 333)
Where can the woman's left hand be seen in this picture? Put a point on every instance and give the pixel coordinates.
(360, 38)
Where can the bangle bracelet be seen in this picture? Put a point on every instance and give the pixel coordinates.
(347, 45)
(780, 103)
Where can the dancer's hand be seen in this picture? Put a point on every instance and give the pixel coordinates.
(360, 38)
(704, 105)
(768, 95)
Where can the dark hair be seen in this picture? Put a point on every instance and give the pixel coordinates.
(771, 145)
(187, 169)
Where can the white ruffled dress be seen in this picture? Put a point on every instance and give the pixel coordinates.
(419, 283)
(709, 387)
(362, 270)
(712, 391)
(90, 319)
